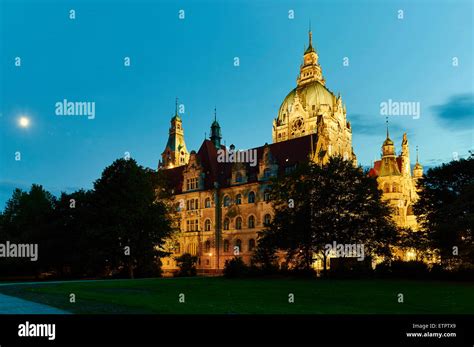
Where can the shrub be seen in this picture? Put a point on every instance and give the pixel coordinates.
(463, 273)
(187, 265)
(350, 268)
(236, 268)
(402, 269)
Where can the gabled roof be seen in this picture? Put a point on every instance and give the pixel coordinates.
(285, 154)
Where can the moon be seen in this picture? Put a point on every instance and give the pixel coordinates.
(24, 122)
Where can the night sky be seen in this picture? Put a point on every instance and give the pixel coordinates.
(82, 59)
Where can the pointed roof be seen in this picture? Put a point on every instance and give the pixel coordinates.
(176, 114)
(215, 123)
(310, 45)
(388, 141)
(417, 165)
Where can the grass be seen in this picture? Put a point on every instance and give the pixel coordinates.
(205, 295)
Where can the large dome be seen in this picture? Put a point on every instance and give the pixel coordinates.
(313, 93)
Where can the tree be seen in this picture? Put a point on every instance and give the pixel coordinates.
(414, 240)
(264, 256)
(187, 265)
(71, 222)
(235, 268)
(318, 205)
(445, 210)
(27, 219)
(130, 224)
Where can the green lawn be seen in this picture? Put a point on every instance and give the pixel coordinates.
(268, 296)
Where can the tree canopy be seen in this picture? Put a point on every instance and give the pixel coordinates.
(317, 205)
(445, 210)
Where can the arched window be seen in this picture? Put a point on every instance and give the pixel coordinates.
(226, 245)
(177, 248)
(207, 202)
(251, 245)
(238, 243)
(395, 188)
(266, 195)
(207, 246)
(226, 201)
(386, 187)
(238, 223)
(267, 219)
(251, 198)
(238, 199)
(410, 210)
(226, 223)
(207, 225)
(251, 222)
(238, 177)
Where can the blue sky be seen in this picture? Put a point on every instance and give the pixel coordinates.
(82, 60)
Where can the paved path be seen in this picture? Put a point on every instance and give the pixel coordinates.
(11, 305)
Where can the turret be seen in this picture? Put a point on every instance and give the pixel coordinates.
(216, 134)
(175, 153)
(389, 161)
(418, 169)
(310, 70)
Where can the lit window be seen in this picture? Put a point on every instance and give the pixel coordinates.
(192, 183)
(251, 222)
(207, 225)
(238, 244)
(207, 203)
(238, 223)
(226, 224)
(226, 246)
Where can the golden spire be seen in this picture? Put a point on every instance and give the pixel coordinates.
(310, 35)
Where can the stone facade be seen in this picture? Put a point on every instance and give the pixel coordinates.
(221, 206)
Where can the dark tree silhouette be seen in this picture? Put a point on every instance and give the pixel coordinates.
(317, 205)
(130, 224)
(445, 210)
(27, 219)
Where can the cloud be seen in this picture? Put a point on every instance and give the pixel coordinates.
(457, 113)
